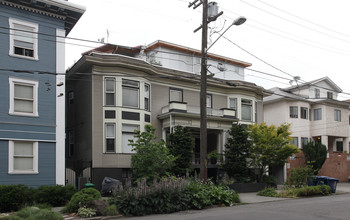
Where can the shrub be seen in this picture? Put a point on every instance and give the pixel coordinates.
(15, 197)
(299, 176)
(81, 198)
(111, 210)
(84, 212)
(314, 190)
(270, 192)
(289, 193)
(306, 191)
(55, 195)
(270, 180)
(172, 196)
(34, 213)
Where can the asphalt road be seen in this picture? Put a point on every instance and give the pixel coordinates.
(316, 208)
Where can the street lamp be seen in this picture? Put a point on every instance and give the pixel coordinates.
(236, 22)
(203, 88)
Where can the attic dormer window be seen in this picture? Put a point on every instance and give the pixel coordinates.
(330, 95)
(317, 93)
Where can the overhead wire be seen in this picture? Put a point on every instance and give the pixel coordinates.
(290, 21)
(318, 25)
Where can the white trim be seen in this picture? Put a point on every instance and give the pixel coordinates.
(60, 107)
(11, 161)
(35, 85)
(13, 21)
(32, 140)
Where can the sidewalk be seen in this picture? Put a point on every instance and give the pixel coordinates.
(253, 198)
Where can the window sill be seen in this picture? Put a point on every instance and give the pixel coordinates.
(24, 57)
(23, 172)
(24, 114)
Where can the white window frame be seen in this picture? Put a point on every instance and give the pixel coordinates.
(304, 111)
(110, 137)
(147, 95)
(233, 103)
(128, 84)
(246, 103)
(317, 114)
(128, 149)
(295, 141)
(293, 111)
(35, 84)
(177, 91)
(209, 101)
(317, 93)
(337, 115)
(11, 169)
(113, 92)
(12, 22)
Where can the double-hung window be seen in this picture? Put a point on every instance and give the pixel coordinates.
(110, 91)
(175, 95)
(317, 93)
(337, 115)
(295, 141)
(293, 111)
(304, 141)
(304, 112)
(233, 103)
(330, 95)
(131, 90)
(23, 39)
(23, 157)
(23, 97)
(209, 101)
(147, 97)
(128, 133)
(110, 138)
(317, 114)
(246, 109)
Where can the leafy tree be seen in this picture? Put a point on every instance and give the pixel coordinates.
(152, 159)
(315, 155)
(237, 152)
(180, 146)
(270, 146)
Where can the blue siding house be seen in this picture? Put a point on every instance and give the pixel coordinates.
(32, 105)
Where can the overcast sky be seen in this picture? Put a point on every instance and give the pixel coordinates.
(306, 38)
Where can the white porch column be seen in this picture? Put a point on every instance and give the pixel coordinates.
(324, 140)
(346, 144)
(164, 134)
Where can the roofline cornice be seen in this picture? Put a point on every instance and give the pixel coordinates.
(116, 60)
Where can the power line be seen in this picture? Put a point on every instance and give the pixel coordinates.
(306, 27)
(321, 26)
(257, 57)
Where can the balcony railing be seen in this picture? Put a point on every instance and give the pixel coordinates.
(185, 108)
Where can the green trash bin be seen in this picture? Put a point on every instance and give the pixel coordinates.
(89, 185)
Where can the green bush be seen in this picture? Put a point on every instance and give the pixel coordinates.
(15, 197)
(270, 180)
(34, 213)
(314, 190)
(81, 199)
(111, 210)
(306, 191)
(270, 192)
(84, 212)
(55, 195)
(195, 195)
(299, 177)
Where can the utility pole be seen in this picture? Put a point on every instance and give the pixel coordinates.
(203, 95)
(203, 82)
